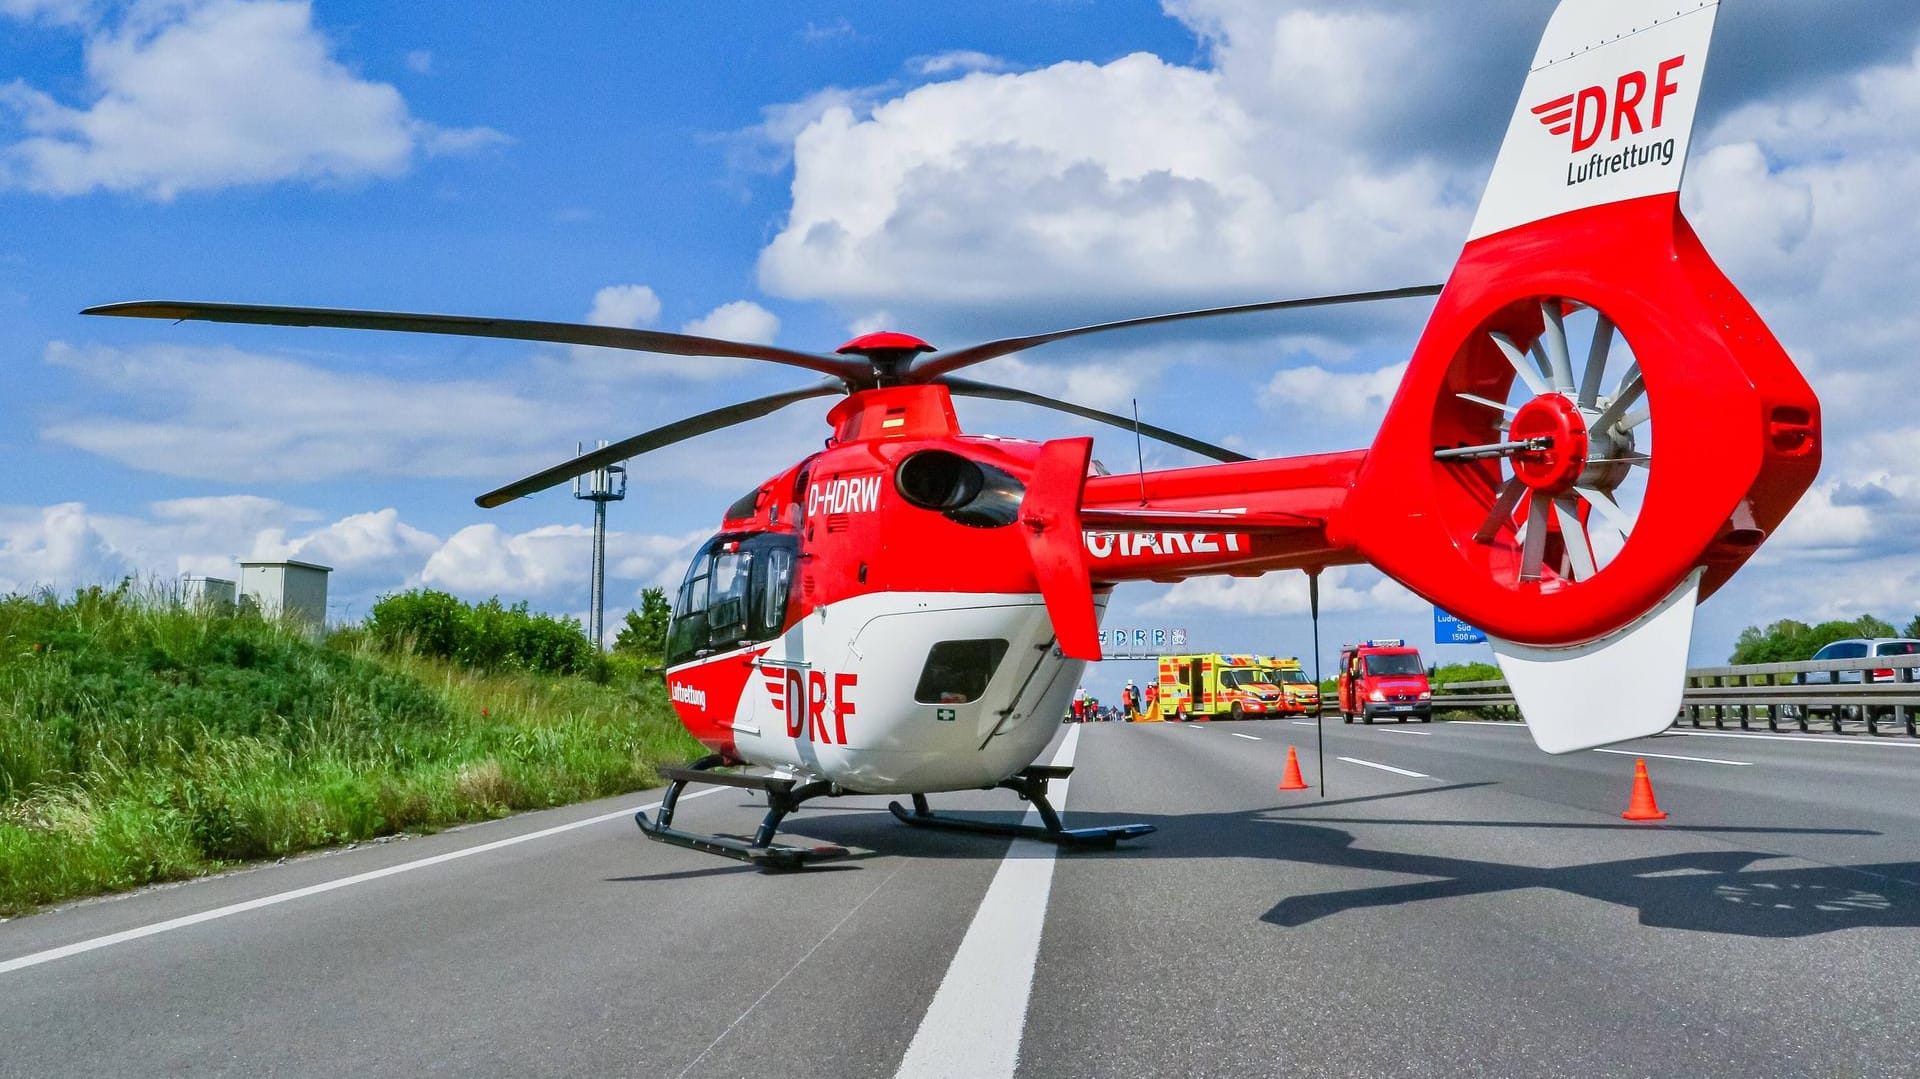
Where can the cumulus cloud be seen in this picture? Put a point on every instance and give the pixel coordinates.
(52, 12)
(1124, 184)
(199, 96)
(359, 542)
(629, 306)
(957, 61)
(56, 547)
(222, 413)
(1353, 395)
(1342, 588)
(741, 320)
(485, 559)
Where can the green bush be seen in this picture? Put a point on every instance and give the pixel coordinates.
(140, 741)
(486, 636)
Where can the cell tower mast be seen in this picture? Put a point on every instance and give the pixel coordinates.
(601, 486)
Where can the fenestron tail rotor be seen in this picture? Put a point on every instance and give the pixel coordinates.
(1572, 460)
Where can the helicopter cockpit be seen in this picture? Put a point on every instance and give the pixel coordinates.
(735, 594)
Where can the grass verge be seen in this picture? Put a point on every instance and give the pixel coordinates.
(143, 742)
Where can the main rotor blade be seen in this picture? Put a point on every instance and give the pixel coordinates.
(933, 368)
(678, 431)
(852, 372)
(969, 388)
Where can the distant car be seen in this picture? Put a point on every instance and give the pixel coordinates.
(1852, 648)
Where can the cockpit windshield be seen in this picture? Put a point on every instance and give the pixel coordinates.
(735, 593)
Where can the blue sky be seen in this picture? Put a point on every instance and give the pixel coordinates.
(797, 172)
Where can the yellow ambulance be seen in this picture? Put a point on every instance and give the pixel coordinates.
(1220, 685)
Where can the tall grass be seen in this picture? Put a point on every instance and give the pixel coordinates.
(143, 741)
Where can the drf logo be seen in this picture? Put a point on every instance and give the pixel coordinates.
(1596, 110)
(803, 696)
(853, 494)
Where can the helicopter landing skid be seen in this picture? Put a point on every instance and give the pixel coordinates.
(1031, 785)
(784, 795)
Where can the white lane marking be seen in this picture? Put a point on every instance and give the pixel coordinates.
(1403, 730)
(978, 1015)
(62, 952)
(1248, 737)
(1384, 767)
(1902, 743)
(1301, 722)
(782, 980)
(1673, 757)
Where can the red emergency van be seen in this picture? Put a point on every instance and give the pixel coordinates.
(1384, 678)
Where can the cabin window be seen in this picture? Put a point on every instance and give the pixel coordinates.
(735, 594)
(957, 672)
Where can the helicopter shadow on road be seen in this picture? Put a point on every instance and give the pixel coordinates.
(1712, 891)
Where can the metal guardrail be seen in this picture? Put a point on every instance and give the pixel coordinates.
(1770, 693)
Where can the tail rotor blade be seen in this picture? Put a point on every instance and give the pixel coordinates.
(678, 431)
(1596, 368)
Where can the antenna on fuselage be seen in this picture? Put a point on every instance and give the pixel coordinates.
(1139, 452)
(600, 486)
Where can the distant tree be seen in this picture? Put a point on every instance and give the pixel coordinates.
(645, 631)
(1789, 641)
(1913, 628)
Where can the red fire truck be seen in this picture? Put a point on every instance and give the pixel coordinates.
(1384, 678)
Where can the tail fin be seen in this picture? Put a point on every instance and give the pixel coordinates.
(1596, 429)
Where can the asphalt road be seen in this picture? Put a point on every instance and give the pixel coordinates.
(1483, 910)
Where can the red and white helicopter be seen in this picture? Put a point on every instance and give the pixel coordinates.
(907, 610)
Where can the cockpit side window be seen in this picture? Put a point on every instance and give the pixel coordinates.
(735, 593)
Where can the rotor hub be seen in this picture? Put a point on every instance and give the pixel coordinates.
(1556, 421)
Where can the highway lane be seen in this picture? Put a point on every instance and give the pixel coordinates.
(1496, 917)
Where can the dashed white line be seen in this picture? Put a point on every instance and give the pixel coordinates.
(1673, 757)
(1248, 737)
(1301, 722)
(62, 952)
(1403, 730)
(1384, 767)
(978, 1015)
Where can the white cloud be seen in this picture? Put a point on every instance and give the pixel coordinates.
(628, 306)
(1342, 588)
(57, 547)
(53, 12)
(958, 60)
(221, 413)
(1132, 182)
(420, 62)
(741, 320)
(1347, 396)
(483, 560)
(190, 97)
(358, 542)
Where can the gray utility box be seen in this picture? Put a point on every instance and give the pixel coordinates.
(207, 593)
(294, 590)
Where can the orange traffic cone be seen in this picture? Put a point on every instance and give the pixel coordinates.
(1291, 781)
(1642, 806)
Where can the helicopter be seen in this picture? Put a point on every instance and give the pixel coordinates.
(907, 610)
